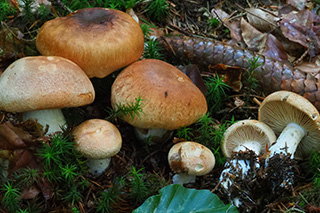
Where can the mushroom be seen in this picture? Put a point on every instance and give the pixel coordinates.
(98, 140)
(188, 160)
(295, 120)
(243, 136)
(99, 40)
(40, 86)
(170, 99)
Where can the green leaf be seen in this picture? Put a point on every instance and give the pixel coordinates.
(178, 199)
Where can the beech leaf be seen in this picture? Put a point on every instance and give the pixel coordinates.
(193, 72)
(274, 49)
(262, 20)
(301, 27)
(254, 39)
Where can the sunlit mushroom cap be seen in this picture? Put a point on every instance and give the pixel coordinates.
(283, 107)
(169, 98)
(191, 158)
(97, 139)
(41, 82)
(99, 40)
(246, 131)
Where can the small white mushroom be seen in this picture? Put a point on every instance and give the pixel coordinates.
(188, 160)
(98, 140)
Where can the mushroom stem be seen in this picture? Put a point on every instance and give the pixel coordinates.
(162, 135)
(97, 166)
(250, 145)
(183, 178)
(242, 165)
(52, 117)
(288, 140)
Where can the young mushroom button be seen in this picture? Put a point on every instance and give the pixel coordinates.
(169, 98)
(98, 140)
(99, 40)
(40, 86)
(188, 160)
(295, 120)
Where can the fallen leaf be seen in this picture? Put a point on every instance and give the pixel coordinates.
(193, 72)
(262, 20)
(12, 137)
(232, 75)
(12, 43)
(254, 39)
(308, 67)
(22, 158)
(299, 4)
(301, 27)
(274, 49)
(29, 193)
(234, 26)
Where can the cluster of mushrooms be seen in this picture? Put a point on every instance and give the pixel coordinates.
(95, 42)
(288, 126)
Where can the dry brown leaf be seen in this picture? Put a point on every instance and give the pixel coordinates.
(234, 26)
(193, 72)
(29, 193)
(262, 20)
(308, 67)
(12, 44)
(254, 39)
(299, 4)
(22, 158)
(12, 137)
(274, 49)
(232, 75)
(302, 27)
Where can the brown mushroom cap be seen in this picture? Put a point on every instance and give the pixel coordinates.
(41, 82)
(97, 139)
(99, 40)
(170, 99)
(191, 158)
(245, 131)
(283, 107)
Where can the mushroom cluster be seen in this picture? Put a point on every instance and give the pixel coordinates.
(288, 126)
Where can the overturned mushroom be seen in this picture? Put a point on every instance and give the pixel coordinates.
(245, 135)
(294, 120)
